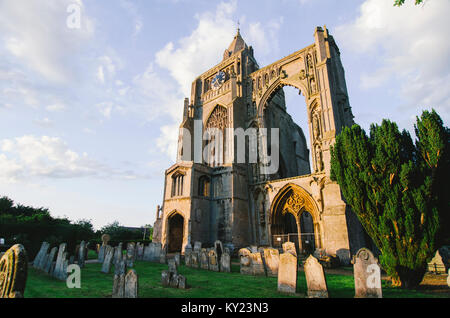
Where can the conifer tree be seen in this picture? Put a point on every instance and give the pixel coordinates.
(399, 190)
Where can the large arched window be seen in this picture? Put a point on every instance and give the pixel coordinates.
(216, 126)
(203, 186)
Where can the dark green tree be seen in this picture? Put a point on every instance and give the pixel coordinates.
(399, 190)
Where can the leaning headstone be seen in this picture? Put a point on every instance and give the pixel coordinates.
(119, 278)
(109, 252)
(204, 261)
(257, 264)
(101, 253)
(289, 247)
(213, 263)
(130, 254)
(315, 278)
(272, 260)
(287, 273)
(367, 277)
(60, 259)
(50, 259)
(131, 284)
(13, 272)
(245, 261)
(41, 255)
(81, 254)
(225, 262)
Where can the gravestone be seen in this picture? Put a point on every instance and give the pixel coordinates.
(245, 262)
(101, 253)
(177, 258)
(287, 273)
(147, 252)
(367, 277)
(195, 260)
(130, 254)
(213, 263)
(218, 247)
(257, 264)
(41, 255)
(13, 272)
(162, 257)
(50, 259)
(204, 261)
(105, 239)
(118, 255)
(289, 247)
(140, 251)
(81, 254)
(165, 278)
(188, 258)
(315, 278)
(225, 262)
(272, 260)
(131, 284)
(120, 269)
(436, 265)
(197, 246)
(172, 265)
(109, 253)
(253, 248)
(60, 259)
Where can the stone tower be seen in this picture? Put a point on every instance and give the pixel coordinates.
(211, 194)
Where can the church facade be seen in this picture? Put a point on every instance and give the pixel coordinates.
(211, 194)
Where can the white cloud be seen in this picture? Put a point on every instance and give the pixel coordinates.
(55, 107)
(44, 122)
(29, 156)
(35, 32)
(411, 45)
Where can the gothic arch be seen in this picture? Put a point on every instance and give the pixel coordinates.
(175, 233)
(295, 200)
(215, 115)
(272, 89)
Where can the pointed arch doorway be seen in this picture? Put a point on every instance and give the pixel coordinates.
(295, 218)
(176, 233)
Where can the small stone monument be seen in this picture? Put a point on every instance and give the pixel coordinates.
(105, 239)
(204, 261)
(315, 278)
(50, 259)
(109, 252)
(245, 261)
(131, 284)
(177, 259)
(367, 276)
(225, 262)
(197, 246)
(257, 264)
(119, 278)
(287, 273)
(272, 259)
(81, 254)
(172, 265)
(213, 262)
(130, 254)
(13, 272)
(289, 247)
(194, 260)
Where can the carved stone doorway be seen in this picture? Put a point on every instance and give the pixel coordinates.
(176, 225)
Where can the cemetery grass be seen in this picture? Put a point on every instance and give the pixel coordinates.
(202, 284)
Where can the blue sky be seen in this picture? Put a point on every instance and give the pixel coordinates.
(89, 115)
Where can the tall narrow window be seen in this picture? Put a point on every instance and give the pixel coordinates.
(177, 184)
(203, 186)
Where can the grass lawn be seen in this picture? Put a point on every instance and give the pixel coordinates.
(201, 283)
